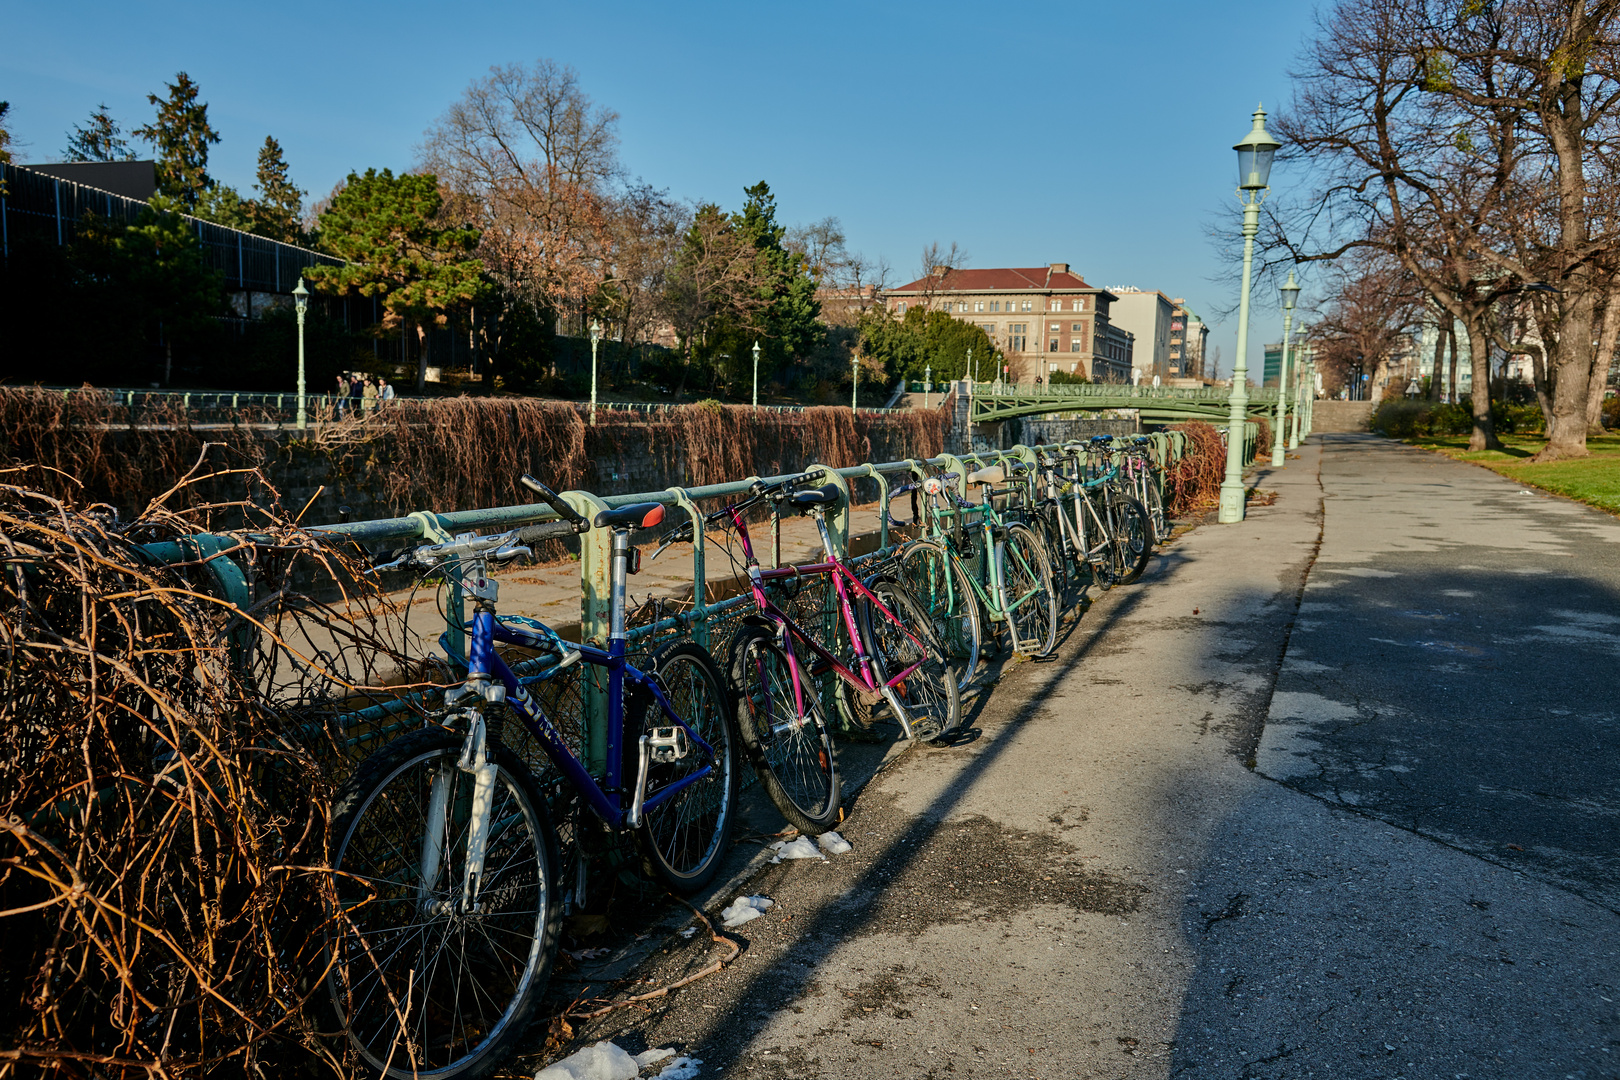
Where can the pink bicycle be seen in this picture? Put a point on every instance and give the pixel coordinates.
(896, 660)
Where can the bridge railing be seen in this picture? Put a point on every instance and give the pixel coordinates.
(1113, 392)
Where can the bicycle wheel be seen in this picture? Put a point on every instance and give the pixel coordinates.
(938, 580)
(1051, 536)
(929, 692)
(1132, 535)
(1154, 505)
(1026, 574)
(791, 752)
(685, 836)
(422, 988)
(1102, 554)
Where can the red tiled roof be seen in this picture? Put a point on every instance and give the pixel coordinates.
(1035, 277)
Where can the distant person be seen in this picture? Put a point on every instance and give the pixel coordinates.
(387, 390)
(342, 395)
(368, 396)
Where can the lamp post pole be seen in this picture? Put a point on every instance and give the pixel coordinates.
(928, 378)
(596, 335)
(854, 382)
(1290, 294)
(1299, 399)
(756, 376)
(1255, 152)
(301, 303)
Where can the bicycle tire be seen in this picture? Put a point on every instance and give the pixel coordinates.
(1050, 534)
(1132, 537)
(1026, 575)
(1155, 511)
(685, 837)
(793, 756)
(952, 607)
(929, 693)
(473, 998)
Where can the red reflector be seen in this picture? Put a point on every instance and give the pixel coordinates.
(654, 516)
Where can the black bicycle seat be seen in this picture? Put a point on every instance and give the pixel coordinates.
(643, 515)
(820, 496)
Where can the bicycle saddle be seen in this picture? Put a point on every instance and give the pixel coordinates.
(643, 515)
(990, 474)
(820, 496)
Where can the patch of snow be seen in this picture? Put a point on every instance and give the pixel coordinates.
(689, 931)
(604, 1061)
(682, 1068)
(650, 1057)
(802, 848)
(833, 844)
(745, 909)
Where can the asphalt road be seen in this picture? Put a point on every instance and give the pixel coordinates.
(1330, 793)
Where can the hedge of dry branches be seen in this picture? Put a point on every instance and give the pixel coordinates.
(447, 454)
(1193, 482)
(164, 791)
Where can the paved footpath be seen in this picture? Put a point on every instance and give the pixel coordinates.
(1330, 793)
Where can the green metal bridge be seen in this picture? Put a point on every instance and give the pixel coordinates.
(1001, 401)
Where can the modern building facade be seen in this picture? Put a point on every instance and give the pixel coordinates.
(1188, 338)
(1045, 320)
(1299, 352)
(1150, 316)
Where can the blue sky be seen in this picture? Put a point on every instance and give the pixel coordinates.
(1096, 134)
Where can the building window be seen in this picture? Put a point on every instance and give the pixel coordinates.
(1015, 336)
(900, 308)
(1078, 328)
(1053, 346)
(1079, 303)
(1029, 305)
(1074, 346)
(989, 329)
(1056, 327)
(978, 305)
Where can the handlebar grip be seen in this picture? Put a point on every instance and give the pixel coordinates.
(551, 530)
(552, 499)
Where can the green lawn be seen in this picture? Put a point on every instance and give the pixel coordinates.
(1594, 480)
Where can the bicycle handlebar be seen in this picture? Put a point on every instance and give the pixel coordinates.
(577, 523)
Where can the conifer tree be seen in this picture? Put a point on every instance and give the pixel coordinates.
(279, 207)
(98, 139)
(181, 135)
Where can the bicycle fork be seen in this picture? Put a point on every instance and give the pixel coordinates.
(473, 760)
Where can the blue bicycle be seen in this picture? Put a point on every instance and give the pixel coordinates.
(444, 855)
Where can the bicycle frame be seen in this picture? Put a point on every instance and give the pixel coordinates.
(490, 679)
(992, 593)
(865, 678)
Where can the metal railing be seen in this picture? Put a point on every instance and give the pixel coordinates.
(227, 406)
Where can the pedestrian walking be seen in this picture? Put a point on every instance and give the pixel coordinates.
(368, 396)
(342, 395)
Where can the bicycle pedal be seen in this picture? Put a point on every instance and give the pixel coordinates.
(667, 744)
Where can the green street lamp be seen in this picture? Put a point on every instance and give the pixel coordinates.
(1290, 296)
(1299, 398)
(301, 303)
(1255, 152)
(596, 335)
(756, 375)
(854, 382)
(928, 377)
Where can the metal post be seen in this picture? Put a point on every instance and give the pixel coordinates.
(1232, 487)
(928, 374)
(301, 303)
(1277, 440)
(1299, 402)
(756, 376)
(596, 335)
(854, 382)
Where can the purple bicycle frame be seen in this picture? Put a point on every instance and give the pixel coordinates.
(842, 578)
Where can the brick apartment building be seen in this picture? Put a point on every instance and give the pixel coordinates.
(1044, 319)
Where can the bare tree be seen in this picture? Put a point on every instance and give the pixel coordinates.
(1368, 316)
(533, 159)
(939, 265)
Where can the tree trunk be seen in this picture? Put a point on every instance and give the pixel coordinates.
(1479, 355)
(1571, 370)
(1601, 359)
(1437, 369)
(1452, 392)
(1539, 379)
(421, 359)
